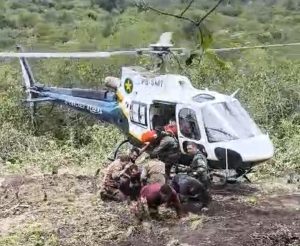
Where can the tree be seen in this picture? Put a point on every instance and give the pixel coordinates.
(290, 5)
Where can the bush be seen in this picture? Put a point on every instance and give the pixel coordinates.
(231, 10)
(27, 19)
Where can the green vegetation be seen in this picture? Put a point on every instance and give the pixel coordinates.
(33, 234)
(268, 79)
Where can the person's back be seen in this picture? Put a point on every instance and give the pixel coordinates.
(151, 193)
(167, 151)
(157, 194)
(167, 143)
(190, 188)
(111, 173)
(153, 171)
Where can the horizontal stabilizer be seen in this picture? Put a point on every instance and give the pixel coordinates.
(42, 99)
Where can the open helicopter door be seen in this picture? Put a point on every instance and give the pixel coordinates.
(189, 126)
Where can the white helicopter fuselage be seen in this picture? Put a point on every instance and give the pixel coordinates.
(214, 120)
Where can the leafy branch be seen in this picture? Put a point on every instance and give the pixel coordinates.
(142, 5)
(187, 7)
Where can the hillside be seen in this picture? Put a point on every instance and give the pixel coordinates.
(78, 145)
(268, 79)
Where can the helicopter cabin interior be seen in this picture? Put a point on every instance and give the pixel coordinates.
(160, 113)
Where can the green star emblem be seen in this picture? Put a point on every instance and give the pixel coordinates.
(128, 85)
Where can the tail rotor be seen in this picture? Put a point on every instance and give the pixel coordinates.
(28, 84)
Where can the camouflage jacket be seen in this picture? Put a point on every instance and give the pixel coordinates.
(151, 167)
(199, 168)
(167, 150)
(112, 174)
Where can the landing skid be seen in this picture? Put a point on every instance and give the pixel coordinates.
(244, 175)
(118, 150)
(238, 177)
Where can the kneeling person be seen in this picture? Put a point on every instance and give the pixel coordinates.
(115, 175)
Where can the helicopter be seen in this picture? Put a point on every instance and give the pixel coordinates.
(142, 100)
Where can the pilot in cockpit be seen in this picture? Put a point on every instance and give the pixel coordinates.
(189, 128)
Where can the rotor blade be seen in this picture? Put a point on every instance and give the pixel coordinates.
(80, 54)
(65, 54)
(254, 47)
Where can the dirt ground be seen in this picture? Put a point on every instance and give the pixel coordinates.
(64, 209)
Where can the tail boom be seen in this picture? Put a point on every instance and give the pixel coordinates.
(105, 108)
(101, 103)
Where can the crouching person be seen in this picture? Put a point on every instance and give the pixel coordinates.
(191, 189)
(154, 195)
(116, 176)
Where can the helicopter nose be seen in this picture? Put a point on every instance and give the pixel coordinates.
(253, 149)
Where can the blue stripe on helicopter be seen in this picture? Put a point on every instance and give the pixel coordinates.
(108, 111)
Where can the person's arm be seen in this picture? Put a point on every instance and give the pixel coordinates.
(164, 143)
(115, 170)
(116, 175)
(144, 175)
(177, 206)
(124, 171)
(144, 148)
(175, 202)
(200, 164)
(201, 170)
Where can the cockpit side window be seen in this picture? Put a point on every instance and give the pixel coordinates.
(188, 124)
(138, 113)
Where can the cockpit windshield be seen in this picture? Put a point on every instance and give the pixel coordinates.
(228, 121)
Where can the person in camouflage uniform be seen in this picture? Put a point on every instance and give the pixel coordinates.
(167, 150)
(116, 175)
(130, 182)
(198, 168)
(153, 171)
